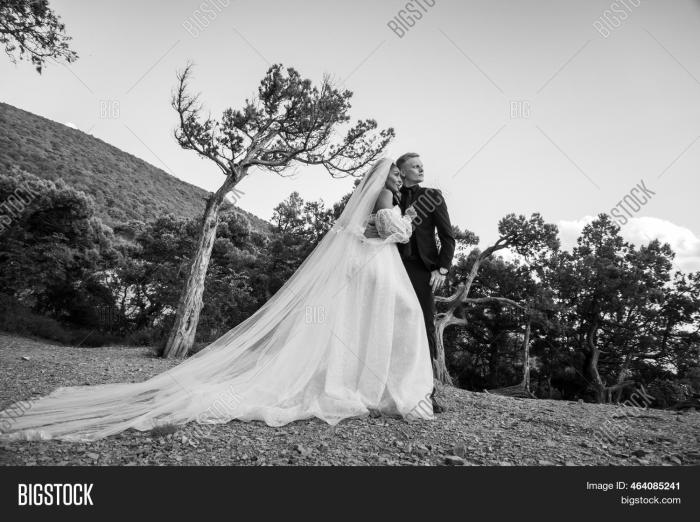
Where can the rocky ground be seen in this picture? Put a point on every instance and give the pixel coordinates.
(478, 429)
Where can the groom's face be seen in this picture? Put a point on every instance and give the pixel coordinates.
(412, 171)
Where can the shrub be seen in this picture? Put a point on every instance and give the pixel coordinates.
(15, 318)
(144, 337)
(692, 379)
(667, 392)
(164, 430)
(92, 338)
(18, 319)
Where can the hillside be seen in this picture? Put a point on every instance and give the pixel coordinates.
(124, 187)
(477, 429)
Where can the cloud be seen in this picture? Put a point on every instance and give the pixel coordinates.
(683, 241)
(570, 230)
(642, 230)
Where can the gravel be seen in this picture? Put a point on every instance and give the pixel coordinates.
(477, 429)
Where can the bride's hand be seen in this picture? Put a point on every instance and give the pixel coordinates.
(411, 212)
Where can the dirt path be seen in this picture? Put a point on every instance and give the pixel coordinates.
(478, 429)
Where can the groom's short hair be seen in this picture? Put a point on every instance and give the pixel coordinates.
(405, 157)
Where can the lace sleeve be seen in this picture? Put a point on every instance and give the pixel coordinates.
(392, 226)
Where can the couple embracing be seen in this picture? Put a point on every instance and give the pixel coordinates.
(427, 265)
(351, 332)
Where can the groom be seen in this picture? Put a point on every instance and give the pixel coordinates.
(426, 264)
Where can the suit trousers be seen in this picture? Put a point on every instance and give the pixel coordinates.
(420, 279)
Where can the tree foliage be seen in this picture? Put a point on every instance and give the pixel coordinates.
(605, 317)
(290, 121)
(30, 29)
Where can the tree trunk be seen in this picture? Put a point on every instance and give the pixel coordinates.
(592, 355)
(448, 318)
(526, 353)
(439, 365)
(184, 329)
(619, 387)
(624, 372)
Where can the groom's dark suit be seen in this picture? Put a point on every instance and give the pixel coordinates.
(421, 254)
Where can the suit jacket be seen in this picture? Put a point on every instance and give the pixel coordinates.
(432, 215)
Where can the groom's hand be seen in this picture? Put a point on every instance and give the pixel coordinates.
(436, 280)
(371, 231)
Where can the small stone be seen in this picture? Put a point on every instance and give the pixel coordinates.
(640, 452)
(674, 459)
(420, 450)
(545, 463)
(93, 456)
(460, 450)
(454, 460)
(504, 463)
(303, 451)
(25, 358)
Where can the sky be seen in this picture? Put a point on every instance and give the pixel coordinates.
(559, 107)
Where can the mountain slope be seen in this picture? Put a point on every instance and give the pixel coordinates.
(124, 187)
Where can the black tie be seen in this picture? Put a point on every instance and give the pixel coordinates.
(408, 194)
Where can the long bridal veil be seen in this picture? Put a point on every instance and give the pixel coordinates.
(279, 365)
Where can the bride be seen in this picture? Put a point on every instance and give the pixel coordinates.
(344, 336)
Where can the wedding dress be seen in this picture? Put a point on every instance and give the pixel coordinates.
(343, 336)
